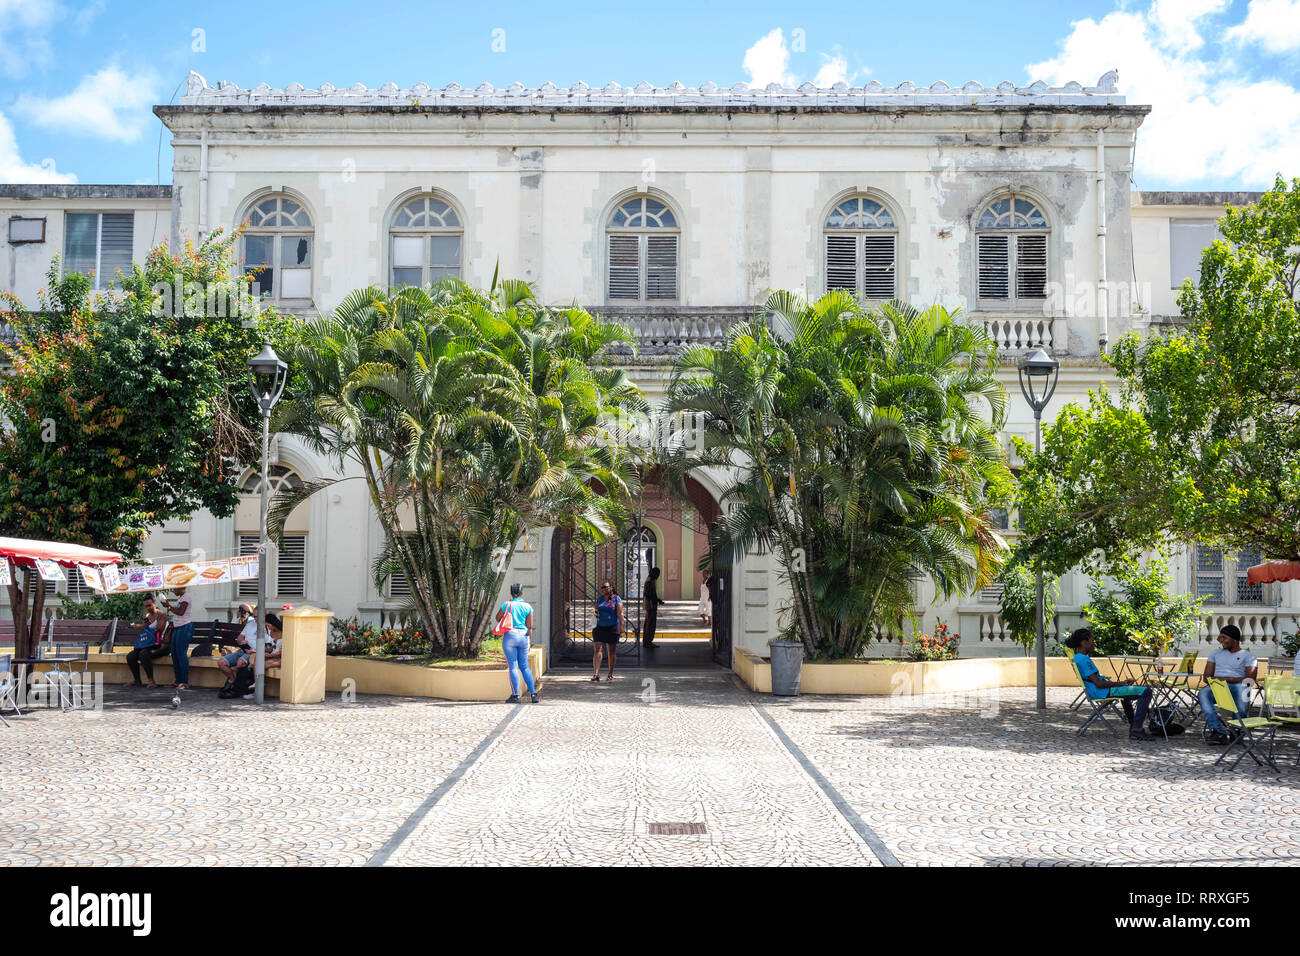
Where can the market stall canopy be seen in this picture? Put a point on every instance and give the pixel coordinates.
(21, 551)
(1271, 571)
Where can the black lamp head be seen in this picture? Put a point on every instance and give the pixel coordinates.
(267, 374)
(1038, 375)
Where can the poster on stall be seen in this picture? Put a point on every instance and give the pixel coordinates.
(91, 576)
(146, 577)
(214, 572)
(179, 575)
(5, 577)
(110, 579)
(50, 570)
(243, 567)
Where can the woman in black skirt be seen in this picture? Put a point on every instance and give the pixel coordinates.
(609, 625)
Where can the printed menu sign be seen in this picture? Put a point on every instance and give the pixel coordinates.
(110, 578)
(243, 567)
(50, 570)
(90, 576)
(214, 572)
(5, 577)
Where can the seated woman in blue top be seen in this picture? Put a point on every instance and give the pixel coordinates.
(516, 641)
(1098, 687)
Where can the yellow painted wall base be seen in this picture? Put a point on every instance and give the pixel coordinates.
(204, 671)
(410, 680)
(928, 677)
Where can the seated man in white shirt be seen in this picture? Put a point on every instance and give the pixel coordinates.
(247, 644)
(1235, 667)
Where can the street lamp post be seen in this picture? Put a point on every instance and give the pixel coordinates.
(267, 375)
(1038, 375)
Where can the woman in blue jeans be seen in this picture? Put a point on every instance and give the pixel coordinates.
(183, 631)
(517, 640)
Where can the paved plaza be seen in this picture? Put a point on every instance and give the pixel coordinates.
(655, 768)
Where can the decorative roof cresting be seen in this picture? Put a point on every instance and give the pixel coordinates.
(199, 93)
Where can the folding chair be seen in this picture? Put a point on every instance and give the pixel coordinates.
(1179, 691)
(1242, 729)
(1282, 693)
(66, 689)
(1083, 694)
(8, 688)
(1099, 705)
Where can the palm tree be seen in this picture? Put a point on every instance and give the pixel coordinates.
(869, 450)
(474, 418)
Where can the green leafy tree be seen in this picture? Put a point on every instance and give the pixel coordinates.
(1019, 602)
(473, 417)
(1140, 615)
(128, 408)
(870, 456)
(1202, 440)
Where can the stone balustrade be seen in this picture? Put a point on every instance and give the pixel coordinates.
(664, 331)
(1021, 333)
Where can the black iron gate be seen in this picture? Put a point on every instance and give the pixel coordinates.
(576, 574)
(721, 592)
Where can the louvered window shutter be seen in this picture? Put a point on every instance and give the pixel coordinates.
(661, 267)
(115, 245)
(842, 262)
(1031, 267)
(624, 267)
(247, 545)
(878, 266)
(291, 567)
(994, 267)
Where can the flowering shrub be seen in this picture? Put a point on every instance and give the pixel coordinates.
(349, 636)
(941, 646)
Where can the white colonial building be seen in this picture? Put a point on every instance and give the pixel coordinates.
(676, 210)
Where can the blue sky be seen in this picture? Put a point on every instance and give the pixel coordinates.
(78, 77)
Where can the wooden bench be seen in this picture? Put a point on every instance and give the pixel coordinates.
(95, 633)
(7, 632)
(208, 634)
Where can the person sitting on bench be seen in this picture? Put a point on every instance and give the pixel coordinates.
(1098, 687)
(247, 644)
(152, 642)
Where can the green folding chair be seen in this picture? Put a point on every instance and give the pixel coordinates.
(1243, 730)
(1183, 696)
(1099, 705)
(1282, 703)
(1083, 694)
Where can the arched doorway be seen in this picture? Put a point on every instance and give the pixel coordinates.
(670, 530)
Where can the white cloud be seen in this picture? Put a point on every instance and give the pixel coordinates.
(1273, 24)
(23, 28)
(87, 15)
(14, 170)
(109, 104)
(768, 61)
(1209, 122)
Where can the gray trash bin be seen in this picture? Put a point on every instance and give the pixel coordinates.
(787, 667)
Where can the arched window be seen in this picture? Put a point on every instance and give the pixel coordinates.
(642, 238)
(278, 249)
(278, 478)
(642, 545)
(425, 242)
(1011, 236)
(861, 249)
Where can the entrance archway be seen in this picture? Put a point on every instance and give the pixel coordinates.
(669, 530)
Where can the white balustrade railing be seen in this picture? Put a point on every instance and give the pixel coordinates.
(1259, 630)
(1021, 333)
(665, 331)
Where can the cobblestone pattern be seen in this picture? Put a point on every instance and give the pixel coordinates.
(982, 779)
(579, 779)
(217, 782)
